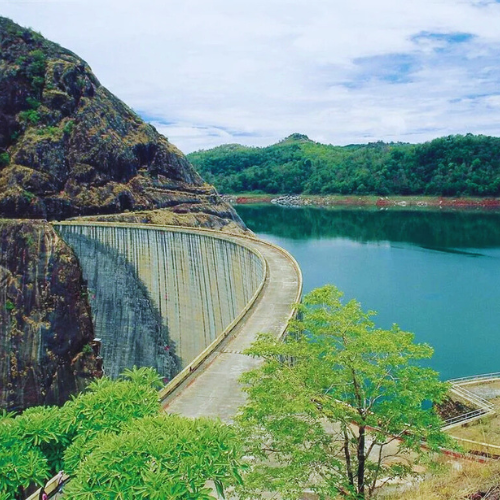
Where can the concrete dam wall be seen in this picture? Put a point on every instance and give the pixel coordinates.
(160, 296)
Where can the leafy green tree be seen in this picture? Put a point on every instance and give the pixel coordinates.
(329, 405)
(160, 457)
(115, 443)
(20, 464)
(106, 407)
(42, 430)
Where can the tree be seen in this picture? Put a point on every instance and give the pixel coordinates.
(114, 442)
(20, 464)
(333, 403)
(107, 406)
(155, 458)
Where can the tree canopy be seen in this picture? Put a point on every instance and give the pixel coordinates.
(336, 408)
(338, 405)
(115, 443)
(448, 166)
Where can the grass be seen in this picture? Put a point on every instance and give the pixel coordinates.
(486, 430)
(449, 480)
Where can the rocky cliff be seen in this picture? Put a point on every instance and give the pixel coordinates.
(68, 147)
(45, 320)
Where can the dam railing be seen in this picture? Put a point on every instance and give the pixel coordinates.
(487, 377)
(482, 407)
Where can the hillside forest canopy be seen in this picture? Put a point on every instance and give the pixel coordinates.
(458, 165)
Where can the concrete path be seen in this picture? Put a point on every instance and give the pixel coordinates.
(213, 389)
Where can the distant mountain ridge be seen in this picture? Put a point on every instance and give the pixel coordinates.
(448, 166)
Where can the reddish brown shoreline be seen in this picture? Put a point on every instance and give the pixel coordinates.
(372, 201)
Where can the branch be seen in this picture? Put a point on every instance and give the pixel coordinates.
(371, 489)
(348, 457)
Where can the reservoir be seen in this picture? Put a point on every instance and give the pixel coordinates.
(434, 273)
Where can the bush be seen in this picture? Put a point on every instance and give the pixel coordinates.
(38, 63)
(68, 127)
(29, 195)
(4, 159)
(87, 349)
(30, 116)
(50, 131)
(33, 103)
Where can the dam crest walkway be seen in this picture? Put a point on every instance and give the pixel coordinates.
(260, 284)
(213, 390)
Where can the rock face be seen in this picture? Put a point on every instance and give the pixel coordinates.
(68, 147)
(45, 319)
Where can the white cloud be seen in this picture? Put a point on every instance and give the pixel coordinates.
(223, 71)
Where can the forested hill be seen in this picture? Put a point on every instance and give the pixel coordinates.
(449, 166)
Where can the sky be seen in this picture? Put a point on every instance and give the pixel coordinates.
(212, 72)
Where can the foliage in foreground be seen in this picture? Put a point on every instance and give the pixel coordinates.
(116, 444)
(337, 406)
(159, 457)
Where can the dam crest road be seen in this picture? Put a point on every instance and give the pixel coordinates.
(208, 384)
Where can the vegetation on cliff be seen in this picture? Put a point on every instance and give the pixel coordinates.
(69, 147)
(449, 166)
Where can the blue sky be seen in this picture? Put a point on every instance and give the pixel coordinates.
(221, 71)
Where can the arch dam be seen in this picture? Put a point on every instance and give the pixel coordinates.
(185, 301)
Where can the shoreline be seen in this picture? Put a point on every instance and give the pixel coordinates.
(381, 202)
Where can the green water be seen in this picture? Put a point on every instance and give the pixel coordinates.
(436, 274)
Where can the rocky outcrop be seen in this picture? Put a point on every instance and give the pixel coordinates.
(68, 147)
(45, 319)
(207, 220)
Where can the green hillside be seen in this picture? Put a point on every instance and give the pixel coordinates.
(448, 166)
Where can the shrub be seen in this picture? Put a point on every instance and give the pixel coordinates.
(4, 159)
(38, 63)
(50, 131)
(87, 349)
(29, 196)
(33, 103)
(29, 116)
(68, 127)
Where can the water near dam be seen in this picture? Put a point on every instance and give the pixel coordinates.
(160, 297)
(436, 274)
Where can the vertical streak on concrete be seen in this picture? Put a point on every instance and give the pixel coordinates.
(198, 283)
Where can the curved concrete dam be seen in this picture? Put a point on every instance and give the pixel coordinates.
(160, 296)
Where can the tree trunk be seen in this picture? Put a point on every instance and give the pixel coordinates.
(361, 462)
(348, 458)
